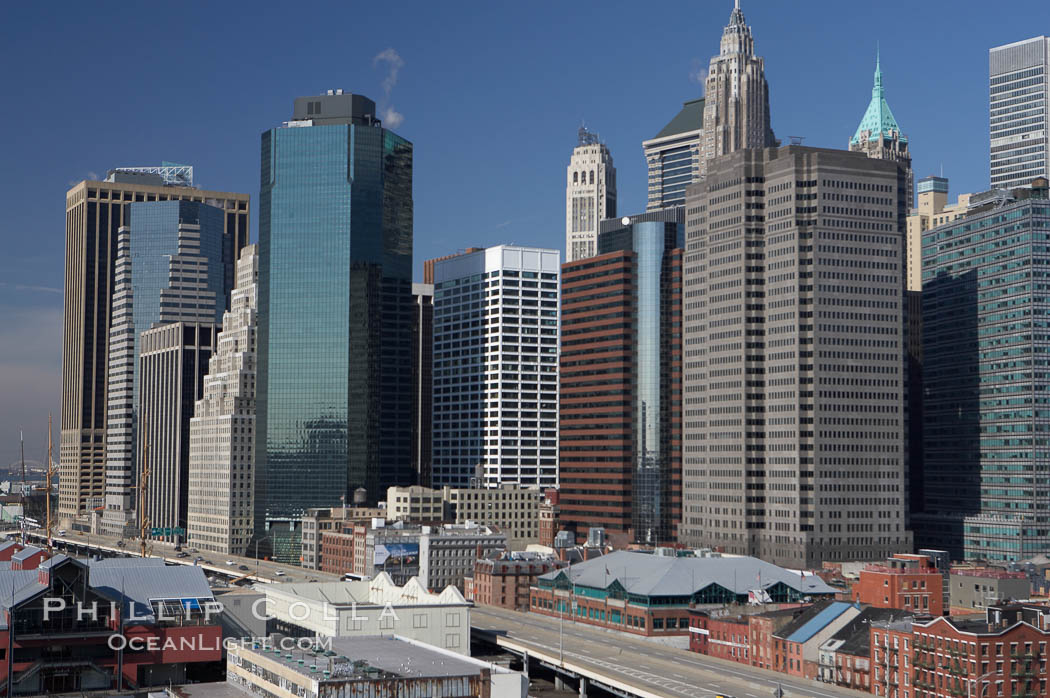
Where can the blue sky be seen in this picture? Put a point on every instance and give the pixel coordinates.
(491, 93)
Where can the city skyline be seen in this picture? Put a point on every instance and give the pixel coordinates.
(220, 139)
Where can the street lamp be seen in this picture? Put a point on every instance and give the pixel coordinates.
(257, 540)
(986, 684)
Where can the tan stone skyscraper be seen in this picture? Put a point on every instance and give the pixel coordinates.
(95, 210)
(736, 107)
(794, 405)
(221, 476)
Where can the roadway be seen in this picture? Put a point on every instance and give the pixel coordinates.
(78, 543)
(636, 666)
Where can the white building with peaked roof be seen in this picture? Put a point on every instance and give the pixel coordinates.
(372, 607)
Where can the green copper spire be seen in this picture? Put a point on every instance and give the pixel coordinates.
(878, 119)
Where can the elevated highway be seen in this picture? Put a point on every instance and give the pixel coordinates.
(627, 666)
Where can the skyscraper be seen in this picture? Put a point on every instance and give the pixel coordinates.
(621, 458)
(590, 194)
(672, 157)
(334, 402)
(1019, 94)
(985, 341)
(95, 211)
(878, 134)
(736, 95)
(222, 431)
(170, 267)
(173, 361)
(496, 368)
(794, 385)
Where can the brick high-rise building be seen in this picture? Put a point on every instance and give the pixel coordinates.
(95, 211)
(620, 466)
(794, 405)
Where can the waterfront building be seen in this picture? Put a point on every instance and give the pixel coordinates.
(362, 608)
(379, 664)
(646, 594)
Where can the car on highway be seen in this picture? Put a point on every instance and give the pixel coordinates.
(61, 532)
(183, 555)
(231, 563)
(243, 568)
(279, 573)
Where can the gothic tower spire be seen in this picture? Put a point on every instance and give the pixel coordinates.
(736, 108)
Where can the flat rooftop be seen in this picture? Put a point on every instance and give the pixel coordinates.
(376, 657)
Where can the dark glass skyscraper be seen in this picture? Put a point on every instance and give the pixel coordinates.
(335, 309)
(986, 410)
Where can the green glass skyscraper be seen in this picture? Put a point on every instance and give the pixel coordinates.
(335, 312)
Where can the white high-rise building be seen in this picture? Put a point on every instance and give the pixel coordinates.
(221, 472)
(590, 195)
(495, 401)
(1019, 94)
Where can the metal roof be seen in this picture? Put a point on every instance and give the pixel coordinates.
(144, 583)
(654, 575)
(26, 552)
(691, 118)
(854, 638)
(878, 119)
(819, 621)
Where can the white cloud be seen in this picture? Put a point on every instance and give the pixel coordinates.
(698, 73)
(393, 61)
(391, 117)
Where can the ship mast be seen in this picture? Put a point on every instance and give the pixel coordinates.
(22, 447)
(143, 483)
(50, 477)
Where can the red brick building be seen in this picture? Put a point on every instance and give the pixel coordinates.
(1003, 654)
(619, 308)
(506, 582)
(727, 637)
(796, 646)
(337, 552)
(892, 661)
(761, 629)
(550, 518)
(906, 582)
